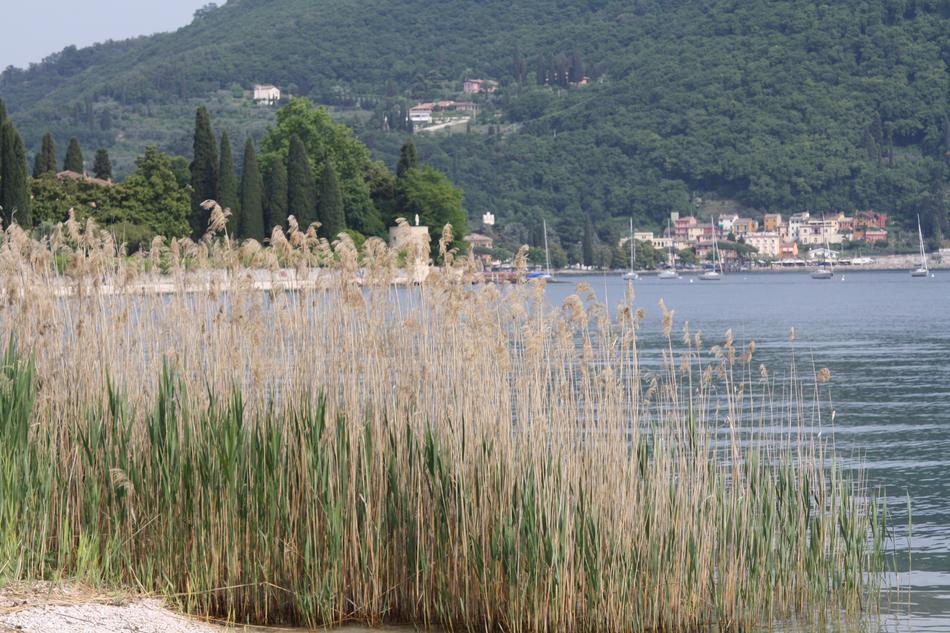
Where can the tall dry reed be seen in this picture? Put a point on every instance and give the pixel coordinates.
(447, 454)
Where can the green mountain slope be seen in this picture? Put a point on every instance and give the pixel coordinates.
(780, 105)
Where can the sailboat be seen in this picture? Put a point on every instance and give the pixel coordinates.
(822, 272)
(716, 273)
(670, 271)
(922, 270)
(632, 273)
(546, 273)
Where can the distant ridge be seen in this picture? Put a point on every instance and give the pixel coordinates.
(776, 104)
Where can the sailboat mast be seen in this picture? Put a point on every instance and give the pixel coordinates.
(717, 257)
(920, 236)
(824, 229)
(669, 255)
(547, 257)
(633, 247)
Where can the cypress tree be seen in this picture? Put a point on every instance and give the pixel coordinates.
(252, 195)
(73, 161)
(227, 180)
(275, 210)
(45, 161)
(204, 171)
(14, 178)
(102, 167)
(407, 158)
(588, 244)
(330, 205)
(3, 118)
(301, 190)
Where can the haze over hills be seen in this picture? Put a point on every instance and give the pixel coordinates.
(772, 105)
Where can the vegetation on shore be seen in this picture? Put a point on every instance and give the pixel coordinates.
(445, 455)
(313, 168)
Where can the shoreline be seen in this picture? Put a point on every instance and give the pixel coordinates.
(43, 607)
(888, 266)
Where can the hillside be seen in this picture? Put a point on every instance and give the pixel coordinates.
(780, 105)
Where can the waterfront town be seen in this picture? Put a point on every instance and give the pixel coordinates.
(774, 238)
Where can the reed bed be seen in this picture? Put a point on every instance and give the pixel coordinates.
(447, 455)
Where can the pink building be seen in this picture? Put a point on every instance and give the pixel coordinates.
(788, 250)
(869, 219)
(875, 235)
(681, 226)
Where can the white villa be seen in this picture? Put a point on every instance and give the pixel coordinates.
(817, 232)
(421, 113)
(767, 243)
(266, 94)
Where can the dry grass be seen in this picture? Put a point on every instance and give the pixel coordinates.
(448, 455)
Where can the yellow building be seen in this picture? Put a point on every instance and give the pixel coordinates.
(771, 222)
(744, 226)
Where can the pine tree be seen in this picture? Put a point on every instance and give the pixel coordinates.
(3, 112)
(204, 171)
(275, 209)
(228, 182)
(252, 191)
(14, 178)
(102, 167)
(301, 189)
(330, 206)
(407, 158)
(45, 161)
(73, 161)
(588, 244)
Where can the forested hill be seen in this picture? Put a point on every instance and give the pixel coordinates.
(771, 104)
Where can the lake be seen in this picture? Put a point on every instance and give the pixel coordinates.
(886, 339)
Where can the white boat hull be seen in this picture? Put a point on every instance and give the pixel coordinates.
(822, 274)
(920, 272)
(668, 274)
(710, 276)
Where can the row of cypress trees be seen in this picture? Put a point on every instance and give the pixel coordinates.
(14, 179)
(15, 195)
(45, 160)
(214, 177)
(255, 202)
(258, 203)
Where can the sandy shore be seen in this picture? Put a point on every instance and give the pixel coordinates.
(43, 608)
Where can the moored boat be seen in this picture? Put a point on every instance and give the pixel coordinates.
(632, 273)
(717, 271)
(922, 270)
(670, 271)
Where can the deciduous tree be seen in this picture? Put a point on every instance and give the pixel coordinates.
(427, 192)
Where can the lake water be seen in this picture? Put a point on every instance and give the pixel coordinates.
(886, 339)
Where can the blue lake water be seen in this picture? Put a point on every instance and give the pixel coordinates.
(886, 339)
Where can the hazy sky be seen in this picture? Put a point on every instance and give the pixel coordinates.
(35, 28)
